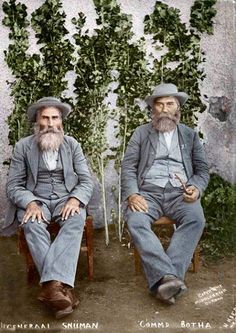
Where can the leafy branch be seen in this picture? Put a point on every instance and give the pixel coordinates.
(36, 75)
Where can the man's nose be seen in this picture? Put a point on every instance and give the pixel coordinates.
(50, 123)
(165, 108)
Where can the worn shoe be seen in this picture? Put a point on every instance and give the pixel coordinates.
(169, 301)
(74, 303)
(170, 287)
(54, 295)
(183, 290)
(63, 313)
(71, 293)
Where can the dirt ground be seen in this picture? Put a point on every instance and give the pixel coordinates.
(117, 301)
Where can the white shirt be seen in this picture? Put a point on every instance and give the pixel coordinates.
(168, 137)
(50, 158)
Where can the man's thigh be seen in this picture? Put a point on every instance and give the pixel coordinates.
(57, 206)
(136, 219)
(183, 212)
(75, 222)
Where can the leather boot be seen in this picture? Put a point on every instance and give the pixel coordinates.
(71, 293)
(54, 295)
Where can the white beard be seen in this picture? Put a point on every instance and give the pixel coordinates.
(49, 139)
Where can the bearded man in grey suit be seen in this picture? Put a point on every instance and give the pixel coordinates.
(164, 172)
(49, 180)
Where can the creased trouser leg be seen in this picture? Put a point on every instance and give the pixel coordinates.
(37, 237)
(190, 223)
(61, 260)
(155, 261)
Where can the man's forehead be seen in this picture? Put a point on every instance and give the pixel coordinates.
(51, 111)
(165, 99)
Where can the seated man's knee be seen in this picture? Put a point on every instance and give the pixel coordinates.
(75, 222)
(31, 227)
(201, 221)
(198, 219)
(135, 220)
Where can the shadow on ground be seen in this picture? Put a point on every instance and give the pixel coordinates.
(117, 301)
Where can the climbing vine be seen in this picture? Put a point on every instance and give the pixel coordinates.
(36, 75)
(180, 63)
(110, 56)
(56, 51)
(106, 57)
(202, 14)
(21, 64)
(107, 62)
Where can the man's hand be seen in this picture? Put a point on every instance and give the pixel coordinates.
(192, 194)
(34, 212)
(70, 208)
(137, 203)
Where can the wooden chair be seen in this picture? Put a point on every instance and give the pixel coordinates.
(53, 229)
(161, 222)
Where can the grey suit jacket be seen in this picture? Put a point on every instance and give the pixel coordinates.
(23, 172)
(141, 152)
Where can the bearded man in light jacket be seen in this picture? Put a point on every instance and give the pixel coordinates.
(49, 180)
(164, 172)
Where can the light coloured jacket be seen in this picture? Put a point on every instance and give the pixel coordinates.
(141, 152)
(23, 173)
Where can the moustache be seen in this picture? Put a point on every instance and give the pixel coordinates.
(166, 115)
(49, 130)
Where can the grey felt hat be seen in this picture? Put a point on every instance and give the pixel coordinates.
(164, 90)
(47, 102)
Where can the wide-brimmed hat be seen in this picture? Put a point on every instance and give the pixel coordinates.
(164, 90)
(47, 102)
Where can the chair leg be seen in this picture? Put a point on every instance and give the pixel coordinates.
(196, 260)
(137, 262)
(31, 270)
(24, 250)
(89, 244)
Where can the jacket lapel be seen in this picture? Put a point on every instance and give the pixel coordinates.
(65, 158)
(33, 158)
(174, 141)
(153, 137)
(184, 141)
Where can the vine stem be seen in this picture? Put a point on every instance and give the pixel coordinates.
(119, 206)
(121, 224)
(104, 203)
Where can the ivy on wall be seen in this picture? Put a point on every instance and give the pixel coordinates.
(21, 64)
(202, 14)
(108, 56)
(36, 75)
(56, 51)
(183, 53)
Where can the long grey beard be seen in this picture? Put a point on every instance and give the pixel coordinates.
(165, 123)
(48, 139)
